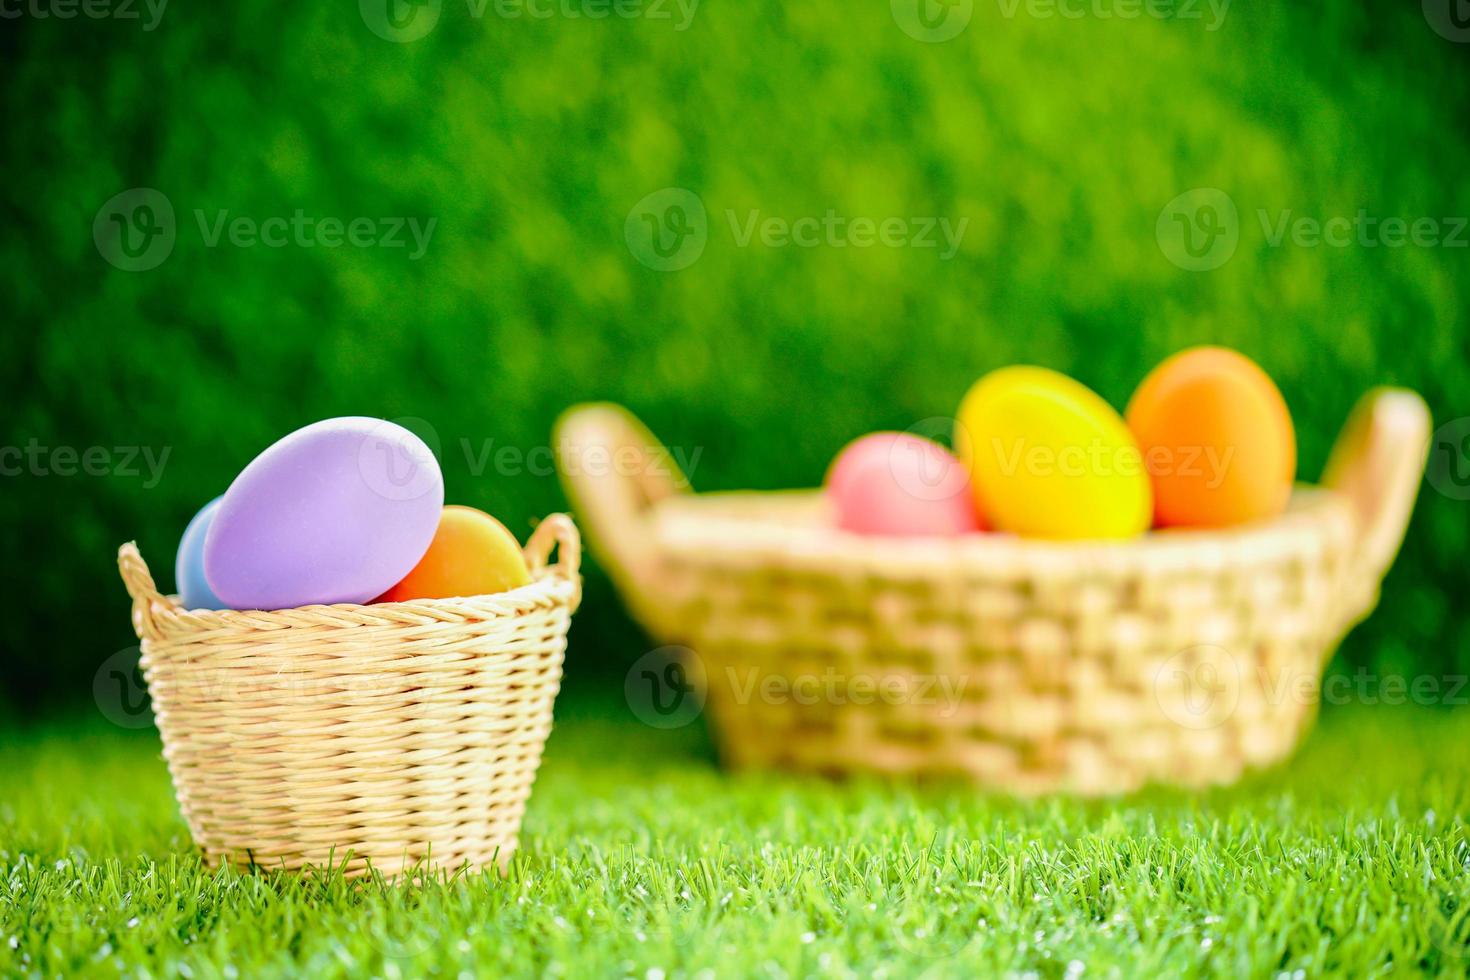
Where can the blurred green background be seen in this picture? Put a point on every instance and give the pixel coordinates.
(528, 141)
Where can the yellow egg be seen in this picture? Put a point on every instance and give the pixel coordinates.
(1048, 458)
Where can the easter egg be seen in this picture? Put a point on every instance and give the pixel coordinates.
(337, 511)
(1216, 437)
(895, 483)
(194, 590)
(1049, 458)
(472, 554)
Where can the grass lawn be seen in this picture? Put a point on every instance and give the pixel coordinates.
(641, 859)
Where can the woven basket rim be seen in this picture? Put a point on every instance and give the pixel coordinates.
(715, 528)
(552, 585)
(547, 589)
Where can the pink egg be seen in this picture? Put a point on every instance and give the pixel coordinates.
(895, 483)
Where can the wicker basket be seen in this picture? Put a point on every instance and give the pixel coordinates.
(397, 736)
(1027, 666)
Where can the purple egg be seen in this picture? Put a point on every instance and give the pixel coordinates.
(338, 511)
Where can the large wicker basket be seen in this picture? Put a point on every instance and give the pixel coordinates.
(1088, 667)
(403, 736)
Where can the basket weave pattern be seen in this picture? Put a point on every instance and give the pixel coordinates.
(389, 734)
(1028, 666)
(1095, 669)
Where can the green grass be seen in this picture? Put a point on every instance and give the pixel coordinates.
(641, 856)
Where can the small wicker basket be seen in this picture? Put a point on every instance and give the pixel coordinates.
(1184, 657)
(399, 736)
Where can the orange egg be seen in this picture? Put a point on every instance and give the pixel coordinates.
(472, 554)
(1216, 437)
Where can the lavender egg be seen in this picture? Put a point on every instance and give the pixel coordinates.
(337, 511)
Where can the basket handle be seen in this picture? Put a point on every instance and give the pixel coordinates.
(145, 595)
(1377, 463)
(614, 470)
(559, 532)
